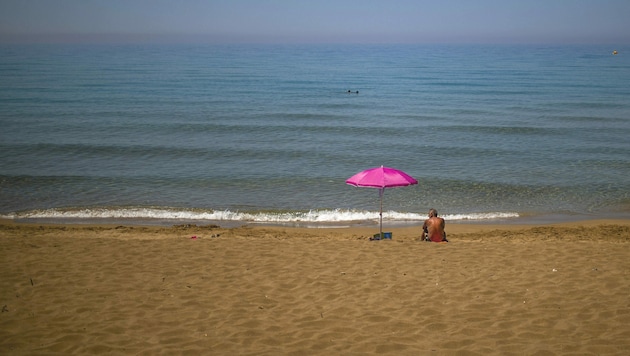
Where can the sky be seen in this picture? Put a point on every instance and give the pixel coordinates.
(317, 21)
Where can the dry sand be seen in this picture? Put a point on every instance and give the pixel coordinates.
(502, 290)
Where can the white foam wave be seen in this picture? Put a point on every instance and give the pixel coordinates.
(313, 216)
(482, 216)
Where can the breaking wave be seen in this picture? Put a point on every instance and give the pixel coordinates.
(315, 217)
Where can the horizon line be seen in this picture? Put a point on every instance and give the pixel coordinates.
(184, 38)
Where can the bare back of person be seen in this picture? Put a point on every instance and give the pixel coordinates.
(434, 227)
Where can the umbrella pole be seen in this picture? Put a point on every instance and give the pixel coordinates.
(380, 193)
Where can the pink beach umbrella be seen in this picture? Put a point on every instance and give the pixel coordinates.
(381, 178)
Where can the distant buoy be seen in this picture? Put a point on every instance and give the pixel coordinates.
(615, 52)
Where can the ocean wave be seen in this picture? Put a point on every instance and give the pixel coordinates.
(311, 216)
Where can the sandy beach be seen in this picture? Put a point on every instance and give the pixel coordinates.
(558, 289)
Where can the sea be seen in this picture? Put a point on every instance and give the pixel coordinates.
(236, 134)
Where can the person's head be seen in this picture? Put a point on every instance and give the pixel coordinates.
(433, 213)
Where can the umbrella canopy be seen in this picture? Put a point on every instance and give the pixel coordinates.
(381, 178)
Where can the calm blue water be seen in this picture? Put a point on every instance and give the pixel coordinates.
(269, 133)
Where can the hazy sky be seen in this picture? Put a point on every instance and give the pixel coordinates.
(306, 21)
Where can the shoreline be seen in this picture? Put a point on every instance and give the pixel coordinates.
(404, 232)
(528, 219)
(326, 218)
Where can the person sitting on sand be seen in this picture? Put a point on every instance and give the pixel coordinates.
(433, 228)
